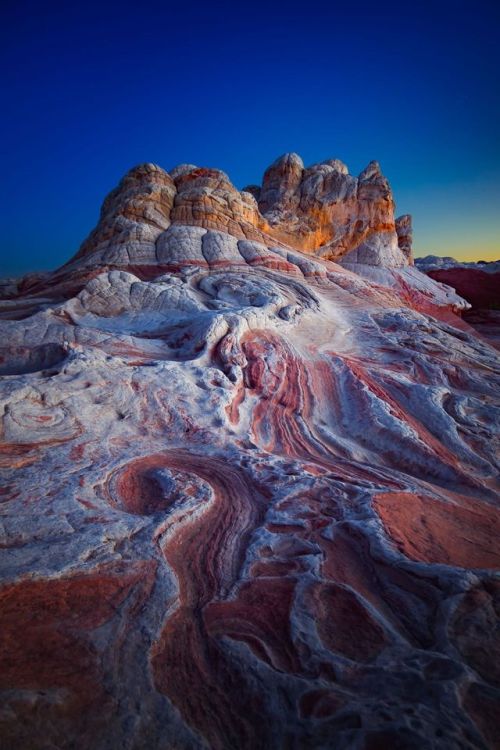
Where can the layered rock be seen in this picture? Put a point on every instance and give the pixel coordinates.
(157, 219)
(250, 498)
(321, 210)
(132, 217)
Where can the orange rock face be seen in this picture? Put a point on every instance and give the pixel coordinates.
(321, 209)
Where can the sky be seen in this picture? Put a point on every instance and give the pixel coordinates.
(92, 88)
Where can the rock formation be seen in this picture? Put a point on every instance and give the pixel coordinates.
(322, 210)
(249, 493)
(404, 231)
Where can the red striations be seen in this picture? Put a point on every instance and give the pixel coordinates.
(260, 617)
(277, 375)
(205, 552)
(434, 531)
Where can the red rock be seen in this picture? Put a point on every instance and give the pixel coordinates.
(319, 704)
(479, 288)
(46, 645)
(345, 626)
(404, 231)
(434, 531)
(474, 630)
(260, 616)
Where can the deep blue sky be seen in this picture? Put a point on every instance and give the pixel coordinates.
(92, 88)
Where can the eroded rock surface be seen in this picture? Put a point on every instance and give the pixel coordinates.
(250, 495)
(321, 209)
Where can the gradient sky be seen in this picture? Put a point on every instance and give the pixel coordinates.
(92, 88)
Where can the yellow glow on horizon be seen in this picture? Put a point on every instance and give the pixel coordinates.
(464, 244)
(482, 251)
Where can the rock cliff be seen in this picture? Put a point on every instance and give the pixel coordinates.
(322, 210)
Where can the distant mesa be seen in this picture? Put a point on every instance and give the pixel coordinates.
(444, 262)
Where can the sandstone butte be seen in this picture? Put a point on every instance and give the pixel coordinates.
(249, 487)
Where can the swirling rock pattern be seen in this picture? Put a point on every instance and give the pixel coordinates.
(250, 495)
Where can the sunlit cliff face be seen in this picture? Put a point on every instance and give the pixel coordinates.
(321, 209)
(250, 494)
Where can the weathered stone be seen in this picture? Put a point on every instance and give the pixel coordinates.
(249, 498)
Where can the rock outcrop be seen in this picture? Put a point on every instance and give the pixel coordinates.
(193, 215)
(322, 210)
(132, 217)
(250, 495)
(404, 231)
